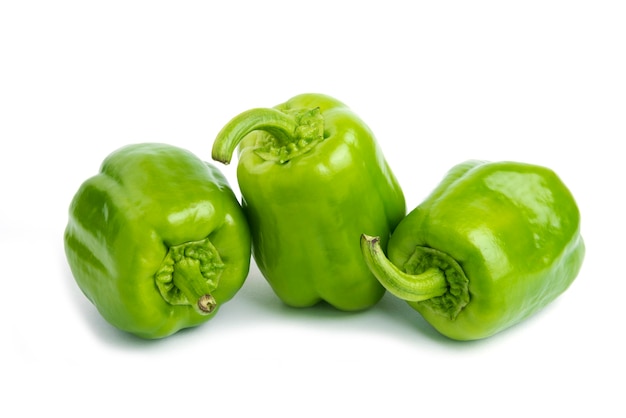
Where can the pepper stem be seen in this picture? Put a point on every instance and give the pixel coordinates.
(291, 133)
(193, 285)
(188, 275)
(409, 287)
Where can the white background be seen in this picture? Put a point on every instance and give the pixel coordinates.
(438, 82)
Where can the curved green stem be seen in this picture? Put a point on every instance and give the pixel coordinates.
(188, 279)
(410, 287)
(275, 122)
(292, 133)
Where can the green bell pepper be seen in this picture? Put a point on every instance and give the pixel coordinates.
(157, 241)
(491, 245)
(312, 179)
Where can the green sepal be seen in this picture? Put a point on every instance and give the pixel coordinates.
(452, 302)
(308, 133)
(188, 275)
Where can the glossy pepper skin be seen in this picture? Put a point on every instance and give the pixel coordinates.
(491, 245)
(313, 178)
(157, 241)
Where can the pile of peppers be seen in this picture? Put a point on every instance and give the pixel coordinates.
(158, 241)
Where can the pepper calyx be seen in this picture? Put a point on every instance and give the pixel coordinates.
(309, 132)
(188, 275)
(457, 296)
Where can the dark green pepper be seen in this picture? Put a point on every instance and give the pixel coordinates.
(491, 245)
(157, 240)
(313, 178)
